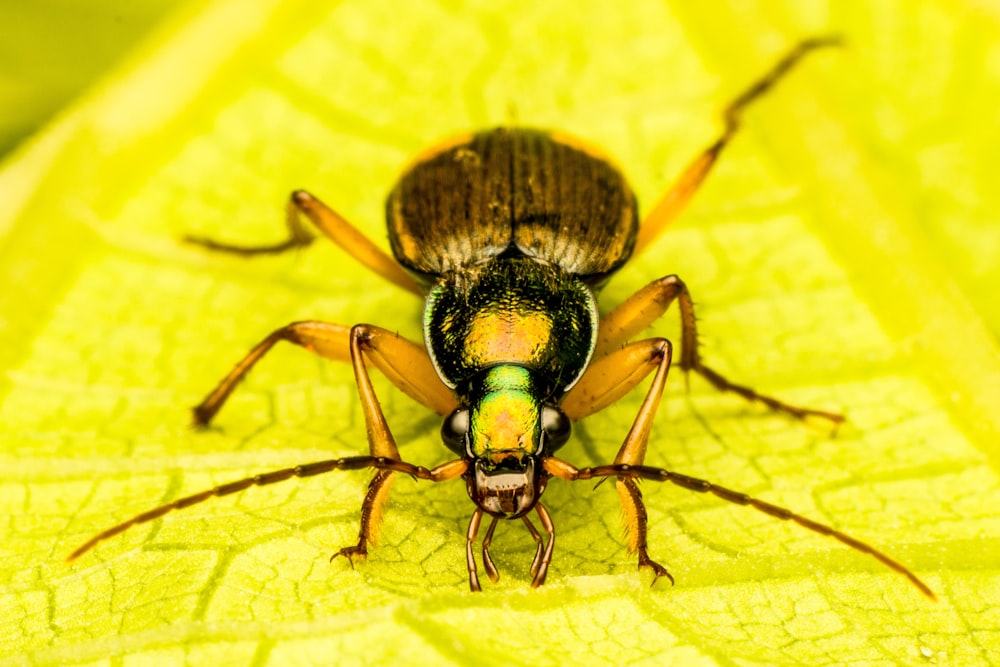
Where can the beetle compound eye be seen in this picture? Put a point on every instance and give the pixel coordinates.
(455, 429)
(556, 426)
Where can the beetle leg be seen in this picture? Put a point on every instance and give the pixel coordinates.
(406, 364)
(649, 304)
(567, 471)
(604, 382)
(371, 517)
(491, 569)
(333, 226)
(612, 376)
(298, 237)
(380, 443)
(683, 189)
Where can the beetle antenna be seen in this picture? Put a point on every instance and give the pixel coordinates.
(438, 474)
(567, 471)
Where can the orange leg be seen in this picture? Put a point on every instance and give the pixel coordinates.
(331, 224)
(680, 193)
(403, 362)
(604, 382)
(649, 304)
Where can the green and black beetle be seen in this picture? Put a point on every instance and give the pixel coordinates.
(508, 234)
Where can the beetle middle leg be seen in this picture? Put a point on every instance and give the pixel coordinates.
(334, 226)
(649, 304)
(607, 380)
(405, 364)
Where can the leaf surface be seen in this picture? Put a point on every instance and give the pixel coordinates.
(840, 257)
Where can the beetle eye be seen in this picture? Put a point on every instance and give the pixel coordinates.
(556, 426)
(454, 430)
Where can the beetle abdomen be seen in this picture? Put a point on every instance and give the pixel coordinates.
(512, 192)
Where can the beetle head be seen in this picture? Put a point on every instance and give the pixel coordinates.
(504, 431)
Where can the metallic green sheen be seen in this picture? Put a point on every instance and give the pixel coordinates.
(492, 302)
(505, 419)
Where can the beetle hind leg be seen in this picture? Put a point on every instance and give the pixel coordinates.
(333, 226)
(298, 237)
(675, 200)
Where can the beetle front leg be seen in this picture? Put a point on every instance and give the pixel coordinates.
(607, 380)
(403, 362)
(371, 517)
(649, 304)
(380, 443)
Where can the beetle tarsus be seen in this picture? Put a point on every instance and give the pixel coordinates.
(645, 562)
(358, 551)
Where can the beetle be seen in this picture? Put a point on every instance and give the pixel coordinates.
(508, 234)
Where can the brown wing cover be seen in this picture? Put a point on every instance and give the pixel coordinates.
(514, 192)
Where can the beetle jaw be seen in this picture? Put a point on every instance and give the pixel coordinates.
(509, 489)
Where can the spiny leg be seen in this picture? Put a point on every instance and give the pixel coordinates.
(371, 517)
(684, 188)
(567, 471)
(380, 443)
(404, 363)
(649, 304)
(637, 521)
(333, 226)
(441, 473)
(604, 382)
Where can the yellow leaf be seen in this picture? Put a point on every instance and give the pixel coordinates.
(837, 258)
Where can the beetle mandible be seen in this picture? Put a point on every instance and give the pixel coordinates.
(508, 234)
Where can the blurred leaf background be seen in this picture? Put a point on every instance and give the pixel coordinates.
(844, 255)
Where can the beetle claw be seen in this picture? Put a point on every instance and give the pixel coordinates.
(359, 551)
